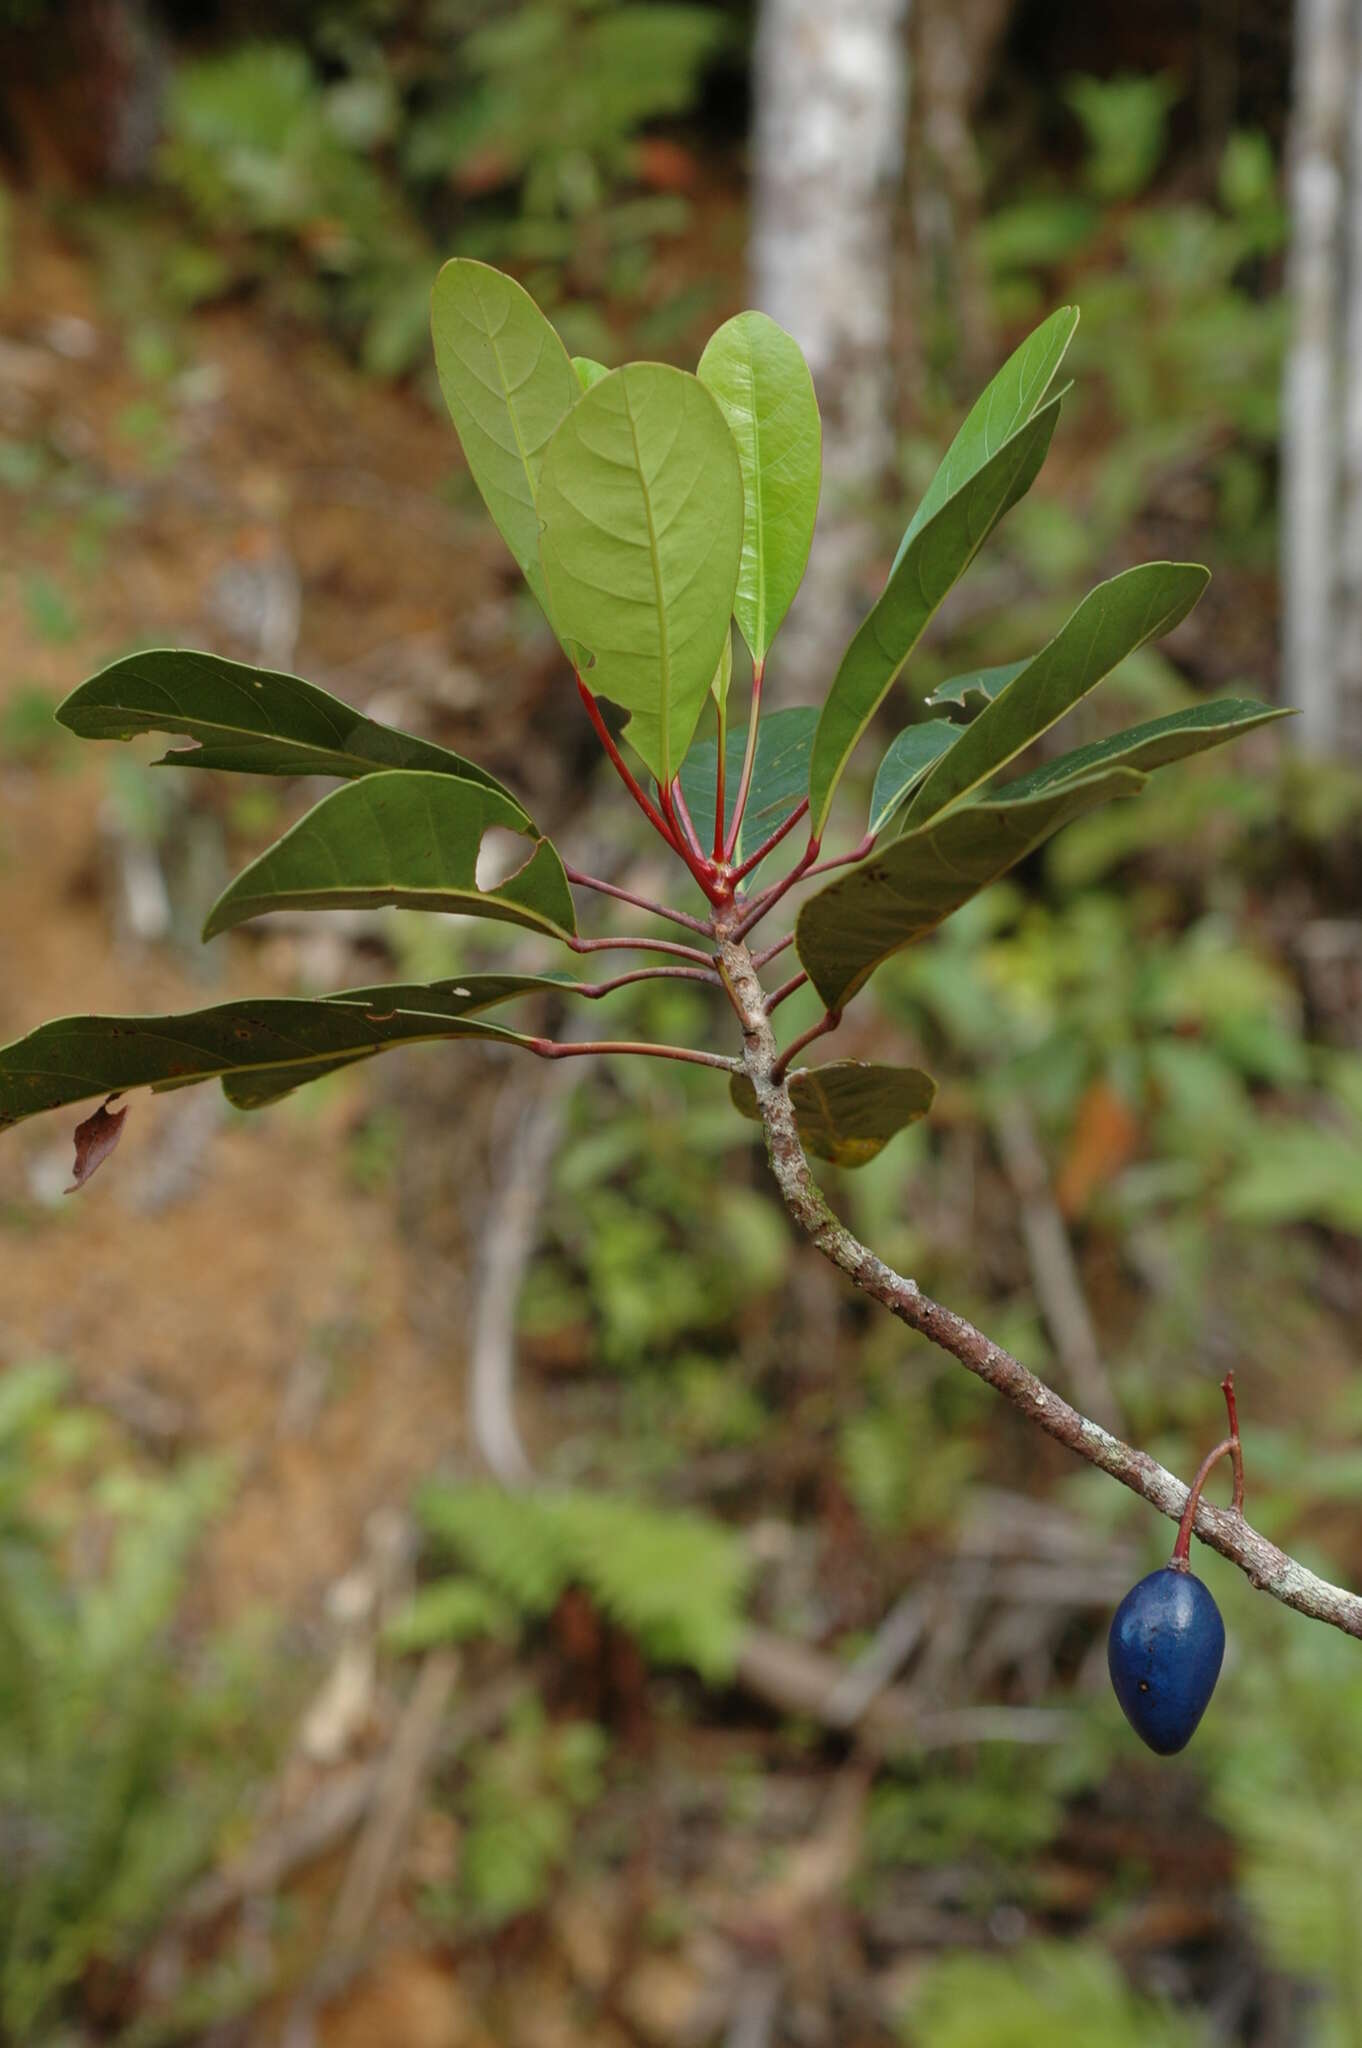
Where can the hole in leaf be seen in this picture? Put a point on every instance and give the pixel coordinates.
(501, 854)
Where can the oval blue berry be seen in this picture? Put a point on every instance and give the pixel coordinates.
(1164, 1652)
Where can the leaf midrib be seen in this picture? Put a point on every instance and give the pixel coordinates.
(664, 641)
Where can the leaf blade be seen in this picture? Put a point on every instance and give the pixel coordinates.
(246, 720)
(758, 374)
(408, 839)
(640, 562)
(847, 1112)
(905, 891)
(907, 759)
(981, 682)
(937, 557)
(1009, 399)
(508, 382)
(74, 1057)
(1110, 623)
(1153, 744)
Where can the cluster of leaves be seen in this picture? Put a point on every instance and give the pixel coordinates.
(673, 1581)
(649, 510)
(118, 1770)
(505, 131)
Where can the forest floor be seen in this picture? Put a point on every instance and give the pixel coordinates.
(244, 1286)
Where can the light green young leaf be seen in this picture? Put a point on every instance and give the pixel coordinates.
(940, 551)
(780, 774)
(248, 719)
(1111, 623)
(1012, 397)
(406, 839)
(641, 511)
(761, 380)
(249, 1042)
(588, 371)
(904, 892)
(984, 683)
(1153, 744)
(507, 381)
(907, 760)
(848, 1112)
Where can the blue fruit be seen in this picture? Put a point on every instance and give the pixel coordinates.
(1164, 1652)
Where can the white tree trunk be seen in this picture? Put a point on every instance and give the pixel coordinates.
(1309, 430)
(1348, 644)
(828, 148)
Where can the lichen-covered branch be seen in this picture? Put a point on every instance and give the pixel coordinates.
(1224, 1530)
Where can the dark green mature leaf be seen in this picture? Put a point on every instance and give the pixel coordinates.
(902, 893)
(938, 555)
(758, 374)
(984, 683)
(465, 996)
(406, 839)
(75, 1057)
(1153, 744)
(641, 509)
(589, 371)
(905, 763)
(848, 1112)
(248, 719)
(1012, 397)
(1111, 623)
(507, 381)
(780, 774)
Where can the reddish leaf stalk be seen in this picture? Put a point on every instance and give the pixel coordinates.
(621, 768)
(688, 846)
(594, 990)
(682, 811)
(720, 791)
(755, 859)
(550, 1049)
(583, 881)
(760, 960)
(787, 988)
(768, 899)
(829, 1021)
(841, 860)
(749, 756)
(678, 952)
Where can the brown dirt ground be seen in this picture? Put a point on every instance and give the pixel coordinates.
(212, 1302)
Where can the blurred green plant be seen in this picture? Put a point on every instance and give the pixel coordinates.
(120, 1761)
(649, 1246)
(674, 1581)
(519, 1805)
(1045, 1992)
(1285, 1781)
(330, 167)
